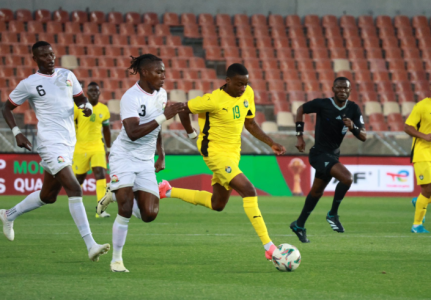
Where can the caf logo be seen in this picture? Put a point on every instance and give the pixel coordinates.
(69, 83)
(228, 169)
(421, 177)
(115, 179)
(60, 159)
(245, 103)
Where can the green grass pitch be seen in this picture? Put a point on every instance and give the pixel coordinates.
(192, 253)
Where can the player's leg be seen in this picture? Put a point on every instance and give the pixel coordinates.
(81, 165)
(81, 178)
(124, 197)
(76, 207)
(100, 175)
(148, 205)
(246, 190)
(50, 189)
(319, 184)
(423, 177)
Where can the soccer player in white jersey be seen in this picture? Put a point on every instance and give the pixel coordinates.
(52, 92)
(142, 108)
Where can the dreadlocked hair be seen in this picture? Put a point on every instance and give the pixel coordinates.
(140, 61)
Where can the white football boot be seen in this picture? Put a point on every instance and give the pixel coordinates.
(7, 226)
(118, 266)
(102, 205)
(96, 250)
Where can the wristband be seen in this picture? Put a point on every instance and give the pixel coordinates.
(16, 131)
(192, 135)
(356, 131)
(87, 105)
(160, 119)
(299, 126)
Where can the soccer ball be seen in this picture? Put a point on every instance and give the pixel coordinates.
(286, 258)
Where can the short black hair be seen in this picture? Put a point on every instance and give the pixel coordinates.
(39, 44)
(92, 83)
(236, 69)
(140, 61)
(341, 78)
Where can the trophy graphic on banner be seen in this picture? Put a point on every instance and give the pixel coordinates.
(296, 166)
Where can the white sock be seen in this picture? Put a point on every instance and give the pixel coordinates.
(77, 210)
(119, 234)
(114, 197)
(136, 210)
(268, 246)
(30, 203)
(168, 194)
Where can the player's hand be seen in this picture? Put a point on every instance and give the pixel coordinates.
(87, 109)
(278, 149)
(160, 164)
(194, 130)
(23, 142)
(300, 144)
(348, 123)
(172, 109)
(428, 137)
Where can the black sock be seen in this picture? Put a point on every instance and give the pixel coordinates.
(310, 204)
(340, 192)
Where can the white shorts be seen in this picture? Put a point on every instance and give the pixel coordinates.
(129, 171)
(55, 157)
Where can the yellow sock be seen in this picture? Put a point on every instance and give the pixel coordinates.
(254, 215)
(100, 188)
(202, 198)
(421, 209)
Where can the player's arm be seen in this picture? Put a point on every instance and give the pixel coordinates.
(107, 134)
(411, 125)
(160, 163)
(135, 131)
(82, 102)
(21, 140)
(356, 126)
(257, 132)
(299, 123)
(413, 132)
(186, 122)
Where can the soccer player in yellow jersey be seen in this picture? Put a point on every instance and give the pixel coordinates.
(89, 149)
(418, 126)
(222, 116)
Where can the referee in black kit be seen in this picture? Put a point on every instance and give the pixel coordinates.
(335, 116)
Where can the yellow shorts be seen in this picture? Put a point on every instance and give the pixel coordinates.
(423, 172)
(82, 161)
(224, 168)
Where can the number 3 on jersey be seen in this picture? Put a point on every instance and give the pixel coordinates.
(40, 90)
(142, 114)
(236, 112)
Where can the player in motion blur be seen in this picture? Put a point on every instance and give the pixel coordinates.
(335, 116)
(52, 92)
(89, 149)
(142, 110)
(222, 116)
(418, 126)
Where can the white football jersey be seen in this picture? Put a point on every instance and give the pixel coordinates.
(52, 98)
(136, 103)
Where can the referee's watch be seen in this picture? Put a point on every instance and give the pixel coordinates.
(299, 133)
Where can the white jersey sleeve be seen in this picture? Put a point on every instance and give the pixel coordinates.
(76, 86)
(129, 107)
(19, 94)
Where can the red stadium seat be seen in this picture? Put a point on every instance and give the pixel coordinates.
(289, 75)
(293, 21)
(267, 53)
(329, 21)
(377, 64)
(393, 53)
(114, 17)
(317, 42)
(404, 31)
(23, 15)
(283, 54)
(42, 15)
(314, 31)
(421, 85)
(311, 86)
(188, 18)
(301, 53)
(2, 26)
(244, 42)
(261, 32)
(243, 31)
(365, 21)
(101, 73)
(362, 75)
(26, 38)
(20, 49)
(60, 16)
(401, 21)
(276, 85)
(390, 42)
(269, 64)
(16, 26)
(209, 31)
(173, 41)
(338, 53)
(308, 75)
(273, 75)
(154, 40)
(223, 20)
(405, 96)
(208, 74)
(227, 41)
(335, 42)
(191, 31)
(144, 29)
(279, 33)
(113, 51)
(403, 86)
(411, 53)
(90, 28)
(374, 53)
(240, 20)
(320, 53)
(79, 16)
(256, 74)
(313, 95)
(72, 27)
(6, 15)
(305, 64)
(367, 32)
(347, 21)
(48, 37)
(295, 32)
(196, 62)
(95, 50)
(419, 21)
(87, 62)
(133, 18)
(422, 32)
(150, 18)
(417, 75)
(356, 53)
(54, 27)
(97, 17)
(399, 75)
(205, 19)
(248, 53)
(294, 85)
(281, 43)
(171, 19)
(258, 84)
(162, 30)
(324, 65)
(167, 52)
(353, 42)
(265, 43)
(380, 75)
(213, 54)
(275, 21)
(174, 74)
(414, 65)
(408, 42)
(77, 50)
(203, 85)
(83, 39)
(287, 65)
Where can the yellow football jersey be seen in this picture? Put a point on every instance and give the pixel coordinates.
(89, 129)
(221, 120)
(420, 118)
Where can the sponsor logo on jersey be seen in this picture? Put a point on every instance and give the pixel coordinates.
(114, 178)
(245, 103)
(60, 159)
(338, 118)
(69, 82)
(421, 177)
(100, 115)
(345, 128)
(228, 169)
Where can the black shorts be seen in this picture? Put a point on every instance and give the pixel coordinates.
(322, 162)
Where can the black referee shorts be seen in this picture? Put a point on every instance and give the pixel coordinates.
(322, 162)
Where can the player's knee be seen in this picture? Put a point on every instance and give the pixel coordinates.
(316, 194)
(50, 199)
(348, 180)
(148, 217)
(218, 206)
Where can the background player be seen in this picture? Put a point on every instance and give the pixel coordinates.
(89, 149)
(334, 117)
(418, 126)
(222, 116)
(142, 110)
(52, 92)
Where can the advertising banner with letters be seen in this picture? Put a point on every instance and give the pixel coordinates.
(21, 174)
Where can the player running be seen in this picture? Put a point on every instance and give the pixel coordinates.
(142, 110)
(418, 126)
(89, 149)
(335, 116)
(52, 92)
(222, 116)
